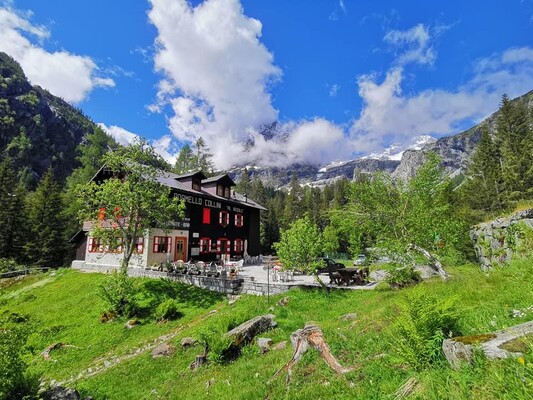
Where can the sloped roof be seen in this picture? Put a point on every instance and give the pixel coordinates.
(224, 178)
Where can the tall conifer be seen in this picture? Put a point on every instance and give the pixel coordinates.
(47, 245)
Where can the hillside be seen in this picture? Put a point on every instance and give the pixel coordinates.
(37, 129)
(107, 361)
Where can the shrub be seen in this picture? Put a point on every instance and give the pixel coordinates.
(402, 277)
(418, 332)
(119, 291)
(219, 346)
(167, 310)
(15, 382)
(8, 265)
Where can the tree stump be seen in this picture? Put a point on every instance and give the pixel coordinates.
(301, 340)
(201, 359)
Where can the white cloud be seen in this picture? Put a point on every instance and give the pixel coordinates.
(334, 90)
(414, 45)
(516, 55)
(389, 115)
(217, 71)
(121, 135)
(164, 146)
(342, 6)
(67, 75)
(316, 141)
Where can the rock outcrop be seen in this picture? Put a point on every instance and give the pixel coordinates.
(500, 344)
(499, 241)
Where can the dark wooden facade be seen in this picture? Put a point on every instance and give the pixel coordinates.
(218, 222)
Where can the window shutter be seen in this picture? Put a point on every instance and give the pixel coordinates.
(206, 216)
(169, 245)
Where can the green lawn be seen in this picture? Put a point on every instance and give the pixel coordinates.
(65, 309)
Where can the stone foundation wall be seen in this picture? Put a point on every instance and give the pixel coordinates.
(229, 286)
(262, 289)
(499, 241)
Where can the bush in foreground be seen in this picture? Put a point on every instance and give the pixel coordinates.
(426, 320)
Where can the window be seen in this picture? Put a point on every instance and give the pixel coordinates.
(95, 245)
(237, 245)
(223, 246)
(239, 220)
(162, 244)
(115, 246)
(220, 190)
(139, 245)
(227, 192)
(223, 218)
(206, 219)
(196, 185)
(205, 245)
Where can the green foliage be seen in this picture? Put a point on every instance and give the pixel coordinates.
(331, 240)
(501, 170)
(15, 382)
(400, 277)
(300, 245)
(167, 310)
(12, 218)
(218, 345)
(119, 291)
(45, 219)
(388, 215)
(112, 209)
(8, 264)
(424, 322)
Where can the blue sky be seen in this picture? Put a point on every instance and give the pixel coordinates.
(343, 78)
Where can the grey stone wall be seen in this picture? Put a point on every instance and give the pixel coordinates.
(499, 241)
(262, 289)
(229, 286)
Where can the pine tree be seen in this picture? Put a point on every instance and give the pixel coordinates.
(186, 161)
(244, 185)
(12, 222)
(483, 187)
(204, 157)
(293, 209)
(511, 129)
(47, 247)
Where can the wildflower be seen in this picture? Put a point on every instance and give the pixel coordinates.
(521, 360)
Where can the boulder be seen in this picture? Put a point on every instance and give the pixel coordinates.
(60, 393)
(280, 345)
(426, 271)
(349, 317)
(188, 342)
(131, 323)
(264, 344)
(163, 350)
(500, 344)
(283, 302)
(246, 332)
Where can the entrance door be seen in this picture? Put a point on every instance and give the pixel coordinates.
(181, 249)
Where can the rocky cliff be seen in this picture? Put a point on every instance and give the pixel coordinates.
(455, 150)
(37, 129)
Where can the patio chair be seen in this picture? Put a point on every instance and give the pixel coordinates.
(212, 270)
